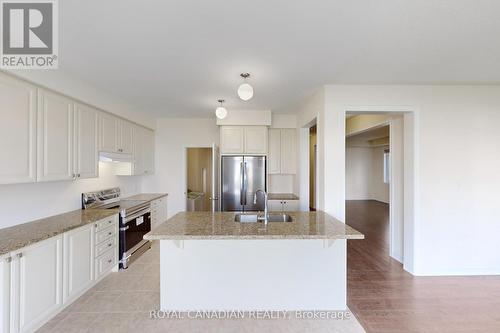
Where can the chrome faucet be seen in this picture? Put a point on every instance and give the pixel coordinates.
(266, 214)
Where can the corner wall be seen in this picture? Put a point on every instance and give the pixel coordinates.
(457, 180)
(172, 137)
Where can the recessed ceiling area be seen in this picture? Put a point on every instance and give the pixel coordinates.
(370, 138)
(177, 58)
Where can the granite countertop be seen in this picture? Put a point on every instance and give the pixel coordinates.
(21, 235)
(221, 225)
(282, 196)
(146, 196)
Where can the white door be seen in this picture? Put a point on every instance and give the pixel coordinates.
(18, 128)
(55, 137)
(149, 151)
(274, 154)
(86, 142)
(37, 281)
(78, 266)
(256, 140)
(108, 133)
(231, 139)
(215, 178)
(126, 137)
(288, 151)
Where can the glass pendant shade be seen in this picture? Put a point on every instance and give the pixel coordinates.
(245, 91)
(221, 112)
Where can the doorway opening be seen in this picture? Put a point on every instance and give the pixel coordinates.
(313, 153)
(374, 179)
(199, 181)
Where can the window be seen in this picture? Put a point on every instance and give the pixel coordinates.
(387, 166)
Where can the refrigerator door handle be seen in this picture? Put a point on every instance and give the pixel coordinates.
(242, 183)
(245, 182)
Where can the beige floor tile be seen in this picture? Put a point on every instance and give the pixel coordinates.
(121, 303)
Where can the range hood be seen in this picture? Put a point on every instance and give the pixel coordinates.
(122, 164)
(115, 157)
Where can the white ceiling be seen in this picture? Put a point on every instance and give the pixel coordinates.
(176, 58)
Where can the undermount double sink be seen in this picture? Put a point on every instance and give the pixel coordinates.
(253, 218)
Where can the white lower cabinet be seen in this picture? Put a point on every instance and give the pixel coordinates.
(39, 280)
(283, 205)
(36, 284)
(158, 212)
(78, 262)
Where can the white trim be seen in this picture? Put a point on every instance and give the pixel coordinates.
(411, 174)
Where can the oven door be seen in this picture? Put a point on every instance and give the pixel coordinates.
(132, 230)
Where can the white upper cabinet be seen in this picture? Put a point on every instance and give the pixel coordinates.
(282, 151)
(55, 137)
(288, 151)
(274, 154)
(149, 148)
(86, 141)
(232, 139)
(243, 140)
(116, 135)
(108, 133)
(143, 151)
(18, 128)
(126, 137)
(256, 140)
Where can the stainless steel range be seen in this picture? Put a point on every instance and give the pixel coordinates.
(135, 221)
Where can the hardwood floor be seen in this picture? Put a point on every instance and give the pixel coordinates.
(385, 298)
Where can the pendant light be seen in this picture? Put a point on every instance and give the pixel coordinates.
(245, 90)
(221, 111)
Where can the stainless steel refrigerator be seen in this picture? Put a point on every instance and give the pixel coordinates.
(241, 177)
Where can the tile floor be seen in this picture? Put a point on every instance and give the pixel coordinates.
(121, 302)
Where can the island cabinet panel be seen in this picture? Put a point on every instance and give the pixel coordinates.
(266, 274)
(78, 262)
(55, 137)
(36, 284)
(18, 127)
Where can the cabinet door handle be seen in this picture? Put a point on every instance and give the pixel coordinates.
(20, 255)
(8, 259)
(110, 233)
(109, 245)
(110, 260)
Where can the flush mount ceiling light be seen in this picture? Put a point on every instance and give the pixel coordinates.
(245, 90)
(221, 111)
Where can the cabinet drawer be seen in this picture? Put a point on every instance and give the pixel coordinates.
(105, 223)
(104, 263)
(104, 246)
(103, 235)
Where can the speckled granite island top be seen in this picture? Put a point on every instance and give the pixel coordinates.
(146, 196)
(19, 236)
(221, 225)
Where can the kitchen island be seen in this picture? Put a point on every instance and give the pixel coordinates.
(210, 262)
